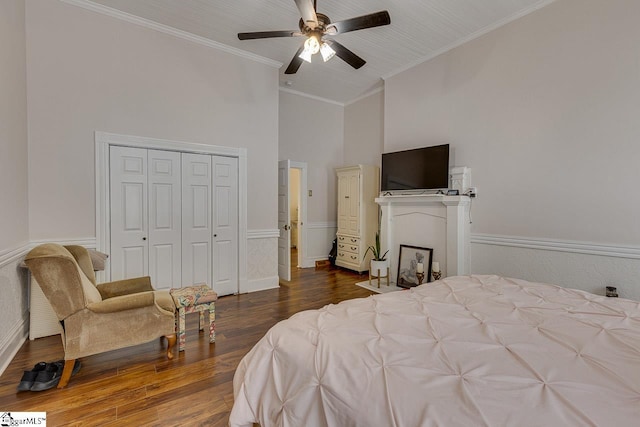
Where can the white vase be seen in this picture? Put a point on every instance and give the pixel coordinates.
(379, 268)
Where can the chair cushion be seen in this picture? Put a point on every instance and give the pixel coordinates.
(91, 293)
(193, 295)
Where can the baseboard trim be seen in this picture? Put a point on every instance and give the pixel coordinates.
(13, 342)
(263, 284)
(589, 248)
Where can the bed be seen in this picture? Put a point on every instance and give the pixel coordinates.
(463, 351)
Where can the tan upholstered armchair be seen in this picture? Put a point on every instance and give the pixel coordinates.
(98, 318)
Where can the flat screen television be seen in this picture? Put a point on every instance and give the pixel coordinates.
(418, 169)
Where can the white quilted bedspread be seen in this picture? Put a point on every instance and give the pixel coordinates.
(464, 351)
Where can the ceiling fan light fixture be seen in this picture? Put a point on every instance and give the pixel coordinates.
(306, 55)
(312, 44)
(326, 51)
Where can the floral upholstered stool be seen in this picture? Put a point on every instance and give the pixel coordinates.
(192, 299)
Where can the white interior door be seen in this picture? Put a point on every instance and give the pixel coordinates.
(225, 225)
(284, 221)
(165, 234)
(196, 219)
(128, 210)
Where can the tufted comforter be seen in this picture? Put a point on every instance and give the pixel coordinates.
(464, 351)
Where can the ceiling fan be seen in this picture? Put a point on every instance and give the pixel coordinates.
(316, 27)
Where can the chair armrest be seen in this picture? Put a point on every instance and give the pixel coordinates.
(124, 287)
(123, 302)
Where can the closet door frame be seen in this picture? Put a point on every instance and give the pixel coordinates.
(104, 140)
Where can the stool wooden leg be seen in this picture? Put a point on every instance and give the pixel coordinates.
(181, 329)
(201, 320)
(212, 322)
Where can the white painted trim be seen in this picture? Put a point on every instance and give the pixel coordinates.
(263, 234)
(366, 95)
(589, 248)
(306, 95)
(10, 255)
(317, 225)
(263, 284)
(104, 140)
(473, 36)
(136, 20)
(10, 346)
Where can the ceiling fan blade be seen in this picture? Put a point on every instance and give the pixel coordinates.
(360, 23)
(295, 62)
(307, 12)
(346, 55)
(268, 34)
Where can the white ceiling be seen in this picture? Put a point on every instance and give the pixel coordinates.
(419, 30)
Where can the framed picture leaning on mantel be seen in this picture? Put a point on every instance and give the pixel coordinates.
(414, 266)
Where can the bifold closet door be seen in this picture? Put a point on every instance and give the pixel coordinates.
(196, 219)
(128, 184)
(225, 225)
(145, 215)
(165, 234)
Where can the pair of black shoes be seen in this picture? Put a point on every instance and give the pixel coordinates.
(44, 376)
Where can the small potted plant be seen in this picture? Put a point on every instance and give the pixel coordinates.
(379, 262)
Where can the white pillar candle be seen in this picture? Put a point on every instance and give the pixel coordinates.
(435, 266)
(420, 268)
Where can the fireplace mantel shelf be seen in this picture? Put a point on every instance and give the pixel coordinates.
(419, 199)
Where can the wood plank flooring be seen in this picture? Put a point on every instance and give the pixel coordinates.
(139, 386)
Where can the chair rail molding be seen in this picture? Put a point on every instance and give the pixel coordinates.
(571, 246)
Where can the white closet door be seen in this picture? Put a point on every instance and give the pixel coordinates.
(128, 184)
(284, 219)
(165, 234)
(196, 219)
(225, 225)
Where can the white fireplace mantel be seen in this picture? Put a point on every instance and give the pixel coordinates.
(433, 221)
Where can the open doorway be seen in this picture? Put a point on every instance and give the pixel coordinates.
(294, 209)
(292, 215)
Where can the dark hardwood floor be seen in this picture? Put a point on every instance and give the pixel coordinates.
(139, 386)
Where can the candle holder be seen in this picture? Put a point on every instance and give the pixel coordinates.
(420, 277)
(437, 275)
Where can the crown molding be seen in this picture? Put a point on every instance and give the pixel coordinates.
(366, 95)
(481, 32)
(123, 16)
(306, 95)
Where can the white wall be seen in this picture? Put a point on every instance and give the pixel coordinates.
(88, 72)
(312, 131)
(14, 229)
(364, 131)
(545, 112)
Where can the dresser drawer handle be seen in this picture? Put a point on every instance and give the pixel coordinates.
(354, 248)
(341, 246)
(354, 240)
(340, 238)
(354, 257)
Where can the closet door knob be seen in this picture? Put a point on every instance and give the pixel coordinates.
(144, 238)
